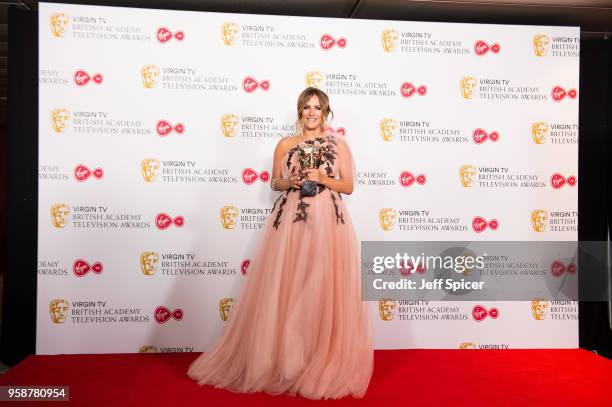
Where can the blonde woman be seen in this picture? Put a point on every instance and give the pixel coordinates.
(299, 325)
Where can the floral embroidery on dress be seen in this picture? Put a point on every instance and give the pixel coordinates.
(276, 223)
(328, 145)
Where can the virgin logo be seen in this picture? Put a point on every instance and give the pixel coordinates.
(481, 48)
(164, 35)
(80, 268)
(164, 221)
(82, 173)
(327, 42)
(557, 269)
(250, 84)
(479, 313)
(407, 178)
(244, 266)
(340, 130)
(479, 224)
(480, 136)
(164, 128)
(557, 180)
(82, 78)
(408, 89)
(558, 93)
(249, 176)
(407, 268)
(163, 314)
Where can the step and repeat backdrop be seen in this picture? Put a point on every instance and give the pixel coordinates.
(157, 131)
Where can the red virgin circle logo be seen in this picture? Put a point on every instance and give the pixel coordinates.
(479, 313)
(164, 35)
(408, 89)
(244, 266)
(164, 128)
(164, 221)
(340, 130)
(80, 268)
(481, 48)
(82, 173)
(557, 268)
(407, 178)
(558, 93)
(328, 42)
(557, 180)
(480, 136)
(163, 314)
(82, 78)
(250, 84)
(407, 268)
(249, 176)
(479, 224)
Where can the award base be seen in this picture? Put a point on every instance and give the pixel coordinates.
(309, 188)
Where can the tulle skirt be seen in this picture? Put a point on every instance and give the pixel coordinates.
(299, 325)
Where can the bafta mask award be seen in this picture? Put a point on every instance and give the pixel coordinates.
(310, 157)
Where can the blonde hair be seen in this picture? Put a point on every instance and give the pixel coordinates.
(304, 98)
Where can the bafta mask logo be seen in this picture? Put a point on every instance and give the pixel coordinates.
(148, 349)
(389, 39)
(225, 307)
(467, 345)
(148, 263)
(228, 216)
(540, 44)
(229, 125)
(538, 308)
(149, 167)
(59, 119)
(386, 309)
(387, 217)
(314, 79)
(59, 215)
(388, 129)
(468, 87)
(538, 220)
(229, 33)
(467, 254)
(467, 173)
(58, 308)
(539, 131)
(150, 76)
(59, 23)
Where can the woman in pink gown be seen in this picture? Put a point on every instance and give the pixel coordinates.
(299, 325)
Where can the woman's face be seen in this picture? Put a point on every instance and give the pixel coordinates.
(312, 115)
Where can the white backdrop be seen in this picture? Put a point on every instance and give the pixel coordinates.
(221, 89)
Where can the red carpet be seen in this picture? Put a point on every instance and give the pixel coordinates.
(401, 378)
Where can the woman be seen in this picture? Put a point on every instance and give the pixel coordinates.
(299, 326)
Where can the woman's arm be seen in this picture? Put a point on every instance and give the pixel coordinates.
(279, 183)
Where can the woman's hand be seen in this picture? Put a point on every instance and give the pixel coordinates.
(295, 182)
(314, 174)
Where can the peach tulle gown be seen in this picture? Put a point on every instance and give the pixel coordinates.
(299, 325)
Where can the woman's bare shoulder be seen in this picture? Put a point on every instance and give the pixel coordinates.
(285, 144)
